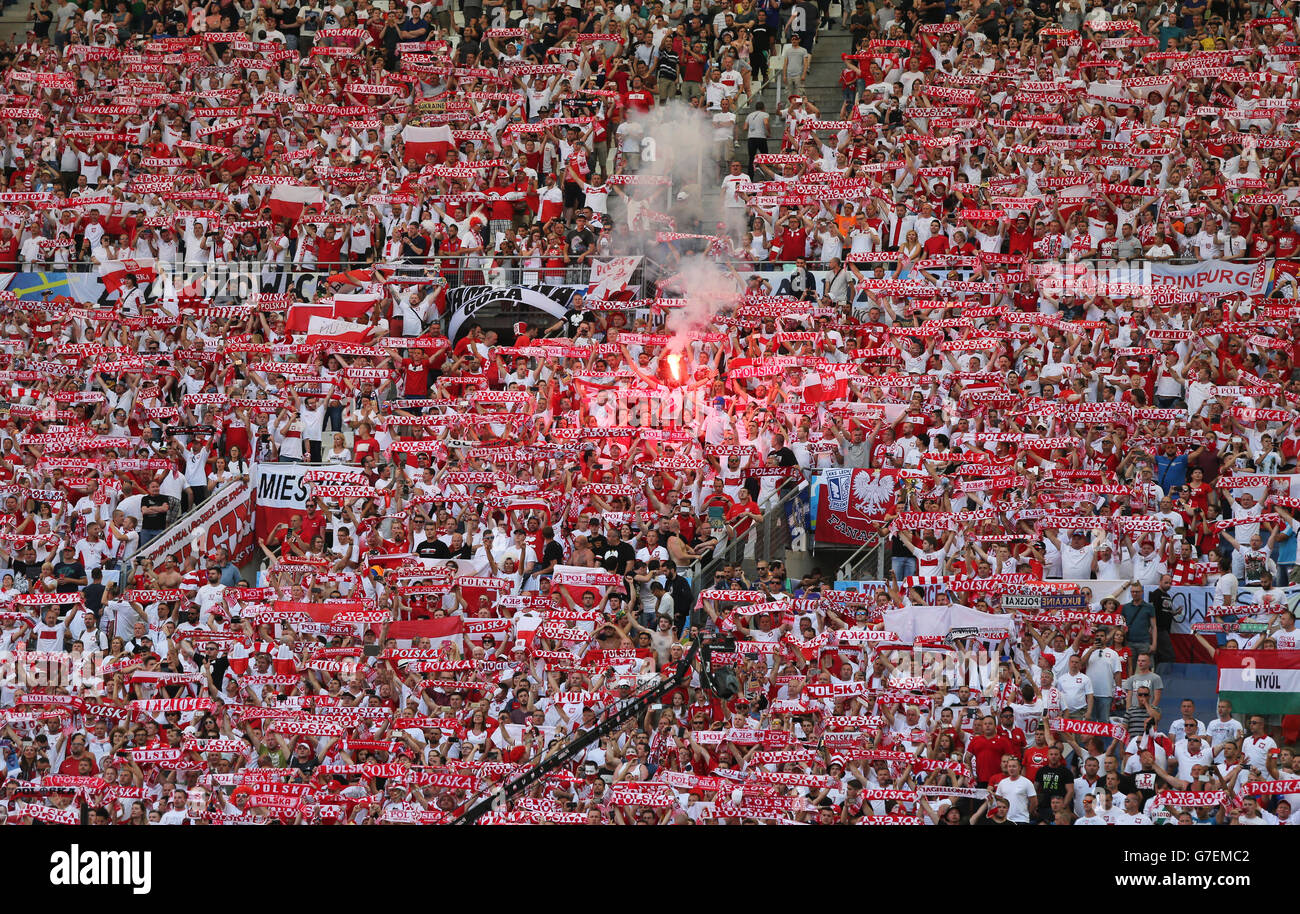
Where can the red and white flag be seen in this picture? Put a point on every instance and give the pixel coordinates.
(420, 141)
(288, 201)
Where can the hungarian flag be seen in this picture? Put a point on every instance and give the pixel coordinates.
(335, 329)
(1260, 682)
(420, 141)
(287, 201)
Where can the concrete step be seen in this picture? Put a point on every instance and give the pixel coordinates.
(823, 83)
(15, 20)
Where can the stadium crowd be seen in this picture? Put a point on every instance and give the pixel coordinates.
(913, 289)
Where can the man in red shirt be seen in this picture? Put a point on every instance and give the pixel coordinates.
(1035, 756)
(986, 750)
(744, 512)
(415, 375)
(792, 242)
(1021, 236)
(313, 521)
(1287, 242)
(76, 753)
(1007, 727)
(9, 245)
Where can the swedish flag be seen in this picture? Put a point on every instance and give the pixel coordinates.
(33, 286)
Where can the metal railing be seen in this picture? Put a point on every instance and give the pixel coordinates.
(867, 563)
(768, 538)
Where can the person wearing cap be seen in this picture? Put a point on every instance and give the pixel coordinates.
(1078, 553)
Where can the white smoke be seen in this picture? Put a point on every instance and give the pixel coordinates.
(679, 144)
(709, 288)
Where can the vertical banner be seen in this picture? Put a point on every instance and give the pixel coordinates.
(1190, 606)
(797, 517)
(224, 520)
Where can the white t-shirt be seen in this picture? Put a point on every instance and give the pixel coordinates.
(1256, 750)
(1076, 564)
(1075, 689)
(1186, 759)
(1017, 792)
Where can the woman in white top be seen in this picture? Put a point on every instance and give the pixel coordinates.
(911, 246)
(221, 474)
(339, 454)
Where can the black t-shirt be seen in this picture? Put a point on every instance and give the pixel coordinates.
(597, 541)
(812, 17)
(69, 570)
(154, 521)
(680, 589)
(993, 28)
(618, 558)
(580, 241)
(1052, 782)
(552, 552)
(415, 245)
(283, 16)
(433, 549)
(1163, 603)
(94, 594)
(786, 457)
(30, 570)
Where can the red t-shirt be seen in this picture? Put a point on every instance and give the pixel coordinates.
(1287, 243)
(792, 243)
(329, 250)
(1021, 242)
(9, 253)
(1035, 758)
(640, 100)
(988, 755)
(312, 525)
(416, 378)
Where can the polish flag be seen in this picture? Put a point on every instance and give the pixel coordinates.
(300, 315)
(420, 141)
(287, 201)
(354, 305)
(440, 632)
(823, 388)
(1072, 199)
(111, 272)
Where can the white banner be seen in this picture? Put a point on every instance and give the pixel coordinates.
(1216, 276)
(225, 519)
(281, 490)
(611, 276)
